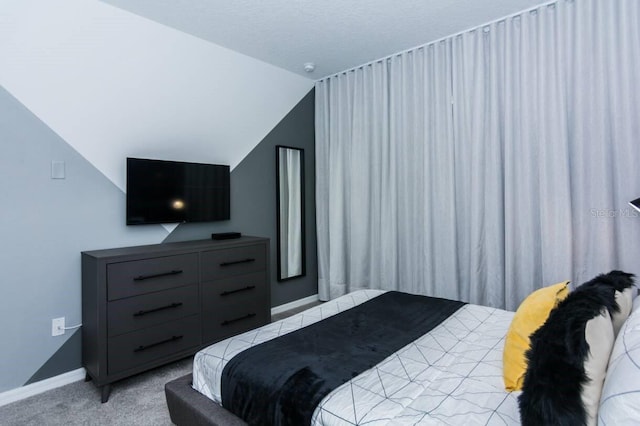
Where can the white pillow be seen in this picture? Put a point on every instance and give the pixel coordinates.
(620, 399)
(625, 302)
(599, 335)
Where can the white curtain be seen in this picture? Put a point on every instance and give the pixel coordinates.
(486, 165)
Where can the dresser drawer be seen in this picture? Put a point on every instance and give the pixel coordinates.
(146, 345)
(234, 289)
(241, 260)
(134, 313)
(238, 318)
(233, 316)
(136, 277)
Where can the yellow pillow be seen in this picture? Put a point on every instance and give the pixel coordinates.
(531, 314)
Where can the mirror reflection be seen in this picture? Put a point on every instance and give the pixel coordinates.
(290, 188)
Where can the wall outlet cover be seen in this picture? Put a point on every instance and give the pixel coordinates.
(57, 326)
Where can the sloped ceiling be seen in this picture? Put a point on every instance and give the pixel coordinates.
(334, 34)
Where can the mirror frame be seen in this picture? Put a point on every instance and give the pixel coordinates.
(303, 257)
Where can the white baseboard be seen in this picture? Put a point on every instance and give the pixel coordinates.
(295, 304)
(32, 389)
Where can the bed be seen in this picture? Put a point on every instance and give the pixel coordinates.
(461, 356)
(448, 376)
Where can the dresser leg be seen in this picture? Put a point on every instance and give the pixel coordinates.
(87, 377)
(106, 391)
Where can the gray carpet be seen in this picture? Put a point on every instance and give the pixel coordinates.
(138, 400)
(135, 401)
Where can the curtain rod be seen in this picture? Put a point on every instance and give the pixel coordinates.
(430, 43)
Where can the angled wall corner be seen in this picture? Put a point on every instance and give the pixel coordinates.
(66, 358)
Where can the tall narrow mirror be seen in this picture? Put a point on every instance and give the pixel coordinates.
(290, 198)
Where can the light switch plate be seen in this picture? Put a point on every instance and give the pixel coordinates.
(58, 170)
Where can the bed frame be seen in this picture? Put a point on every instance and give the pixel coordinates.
(189, 407)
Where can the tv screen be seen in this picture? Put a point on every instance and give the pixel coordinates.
(171, 191)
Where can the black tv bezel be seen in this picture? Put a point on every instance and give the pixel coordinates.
(130, 222)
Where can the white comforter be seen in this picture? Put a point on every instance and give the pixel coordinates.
(451, 375)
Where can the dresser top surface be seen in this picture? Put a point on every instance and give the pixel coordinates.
(181, 246)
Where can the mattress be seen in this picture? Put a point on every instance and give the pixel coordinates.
(451, 375)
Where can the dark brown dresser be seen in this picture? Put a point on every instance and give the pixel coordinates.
(149, 305)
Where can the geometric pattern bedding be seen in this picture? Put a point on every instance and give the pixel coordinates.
(450, 376)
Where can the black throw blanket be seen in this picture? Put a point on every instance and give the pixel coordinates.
(281, 382)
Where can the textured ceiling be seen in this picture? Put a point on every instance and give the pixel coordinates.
(334, 34)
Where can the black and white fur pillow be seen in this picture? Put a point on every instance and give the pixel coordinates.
(568, 357)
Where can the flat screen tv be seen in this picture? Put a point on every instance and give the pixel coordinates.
(172, 191)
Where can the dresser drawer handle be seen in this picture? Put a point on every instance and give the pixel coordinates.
(236, 262)
(161, 308)
(163, 274)
(231, 321)
(153, 345)
(228, 292)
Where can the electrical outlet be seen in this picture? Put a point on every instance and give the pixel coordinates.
(57, 326)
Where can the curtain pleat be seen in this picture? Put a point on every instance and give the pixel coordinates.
(486, 165)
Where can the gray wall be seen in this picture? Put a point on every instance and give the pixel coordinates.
(48, 222)
(253, 199)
